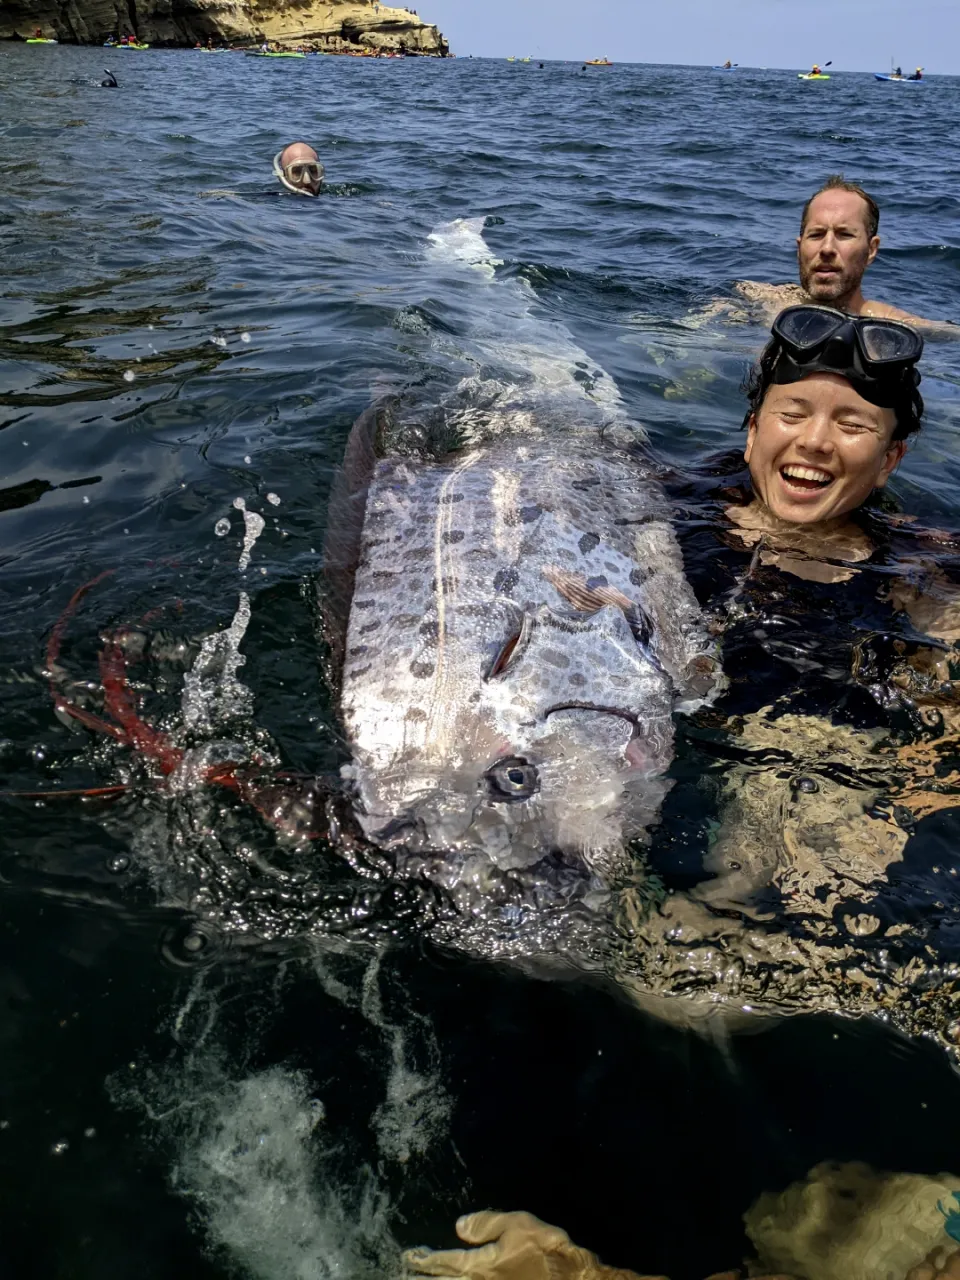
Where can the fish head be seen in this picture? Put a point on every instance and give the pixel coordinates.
(534, 731)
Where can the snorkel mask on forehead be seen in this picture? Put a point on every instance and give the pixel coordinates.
(292, 174)
(877, 357)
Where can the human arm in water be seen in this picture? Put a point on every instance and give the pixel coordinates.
(770, 300)
(518, 1246)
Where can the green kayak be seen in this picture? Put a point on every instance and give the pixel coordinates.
(276, 55)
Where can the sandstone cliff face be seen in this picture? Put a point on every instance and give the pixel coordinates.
(334, 25)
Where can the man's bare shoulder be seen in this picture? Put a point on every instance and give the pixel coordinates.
(884, 311)
(769, 299)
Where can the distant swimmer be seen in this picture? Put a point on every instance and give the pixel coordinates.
(298, 168)
(838, 240)
(917, 75)
(111, 80)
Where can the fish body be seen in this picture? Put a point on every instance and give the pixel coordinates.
(520, 631)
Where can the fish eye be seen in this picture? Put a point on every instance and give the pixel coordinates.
(512, 779)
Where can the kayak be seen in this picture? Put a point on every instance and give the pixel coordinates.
(723, 68)
(126, 46)
(811, 76)
(38, 40)
(598, 62)
(276, 55)
(896, 79)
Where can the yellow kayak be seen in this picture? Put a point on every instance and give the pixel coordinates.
(38, 40)
(810, 76)
(599, 62)
(131, 46)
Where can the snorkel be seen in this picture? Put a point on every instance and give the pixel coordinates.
(281, 174)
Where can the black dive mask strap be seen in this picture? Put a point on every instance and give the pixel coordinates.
(885, 393)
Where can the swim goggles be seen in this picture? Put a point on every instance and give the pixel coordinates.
(294, 173)
(877, 357)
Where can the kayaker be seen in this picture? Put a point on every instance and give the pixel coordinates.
(815, 70)
(838, 241)
(899, 73)
(917, 75)
(297, 167)
(727, 66)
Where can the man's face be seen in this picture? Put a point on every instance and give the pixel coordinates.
(817, 449)
(301, 168)
(834, 250)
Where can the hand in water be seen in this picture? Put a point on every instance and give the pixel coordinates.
(512, 1246)
(938, 1265)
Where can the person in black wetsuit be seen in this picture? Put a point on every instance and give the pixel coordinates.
(833, 400)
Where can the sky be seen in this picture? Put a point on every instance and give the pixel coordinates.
(857, 35)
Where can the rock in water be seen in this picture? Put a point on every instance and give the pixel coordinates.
(520, 631)
(333, 25)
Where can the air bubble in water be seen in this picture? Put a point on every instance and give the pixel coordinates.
(244, 337)
(117, 863)
(273, 499)
(222, 528)
(129, 376)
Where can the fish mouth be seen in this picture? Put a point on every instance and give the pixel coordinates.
(622, 714)
(637, 754)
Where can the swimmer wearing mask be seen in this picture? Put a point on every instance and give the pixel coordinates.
(297, 168)
(832, 402)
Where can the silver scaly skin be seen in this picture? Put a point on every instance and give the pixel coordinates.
(520, 635)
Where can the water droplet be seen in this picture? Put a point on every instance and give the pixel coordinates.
(222, 528)
(244, 337)
(59, 1148)
(86, 499)
(129, 376)
(118, 862)
(247, 459)
(807, 785)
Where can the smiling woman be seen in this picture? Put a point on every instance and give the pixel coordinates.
(833, 399)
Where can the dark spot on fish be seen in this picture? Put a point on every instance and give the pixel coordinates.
(585, 484)
(359, 650)
(407, 619)
(430, 629)
(474, 697)
(418, 553)
(587, 543)
(555, 658)
(362, 671)
(447, 583)
(422, 669)
(381, 575)
(370, 626)
(453, 535)
(575, 678)
(505, 580)
(531, 513)
(364, 604)
(415, 713)
(598, 581)
(452, 497)
(638, 577)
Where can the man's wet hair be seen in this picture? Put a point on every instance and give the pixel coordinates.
(908, 407)
(837, 182)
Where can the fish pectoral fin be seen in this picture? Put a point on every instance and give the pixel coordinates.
(573, 587)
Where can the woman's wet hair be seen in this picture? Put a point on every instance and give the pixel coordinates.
(908, 407)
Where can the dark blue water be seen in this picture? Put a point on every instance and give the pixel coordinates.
(174, 336)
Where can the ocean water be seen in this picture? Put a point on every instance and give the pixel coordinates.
(212, 1065)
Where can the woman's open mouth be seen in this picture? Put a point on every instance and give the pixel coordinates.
(805, 481)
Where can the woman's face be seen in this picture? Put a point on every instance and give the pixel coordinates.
(817, 449)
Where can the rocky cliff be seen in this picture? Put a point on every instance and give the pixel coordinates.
(337, 26)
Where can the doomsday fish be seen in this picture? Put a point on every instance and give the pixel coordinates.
(520, 631)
